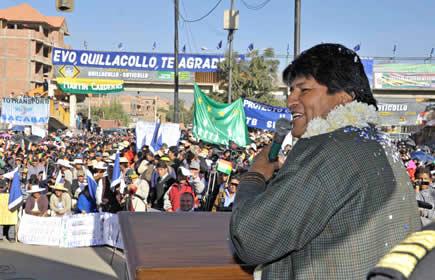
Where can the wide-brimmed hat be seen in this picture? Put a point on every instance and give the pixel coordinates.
(59, 187)
(35, 189)
(64, 163)
(194, 165)
(123, 160)
(106, 155)
(80, 173)
(78, 161)
(100, 165)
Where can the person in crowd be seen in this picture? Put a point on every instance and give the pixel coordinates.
(37, 202)
(164, 181)
(225, 199)
(341, 188)
(138, 190)
(100, 176)
(196, 180)
(187, 202)
(67, 175)
(425, 193)
(78, 165)
(60, 201)
(172, 196)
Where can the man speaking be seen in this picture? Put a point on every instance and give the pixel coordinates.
(342, 199)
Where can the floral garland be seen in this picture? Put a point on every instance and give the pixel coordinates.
(354, 114)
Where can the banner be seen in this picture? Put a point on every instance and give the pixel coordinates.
(263, 116)
(404, 80)
(75, 72)
(7, 217)
(92, 86)
(25, 110)
(399, 114)
(81, 230)
(137, 61)
(169, 132)
(368, 69)
(219, 123)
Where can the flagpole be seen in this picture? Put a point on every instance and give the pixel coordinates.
(297, 30)
(176, 105)
(230, 42)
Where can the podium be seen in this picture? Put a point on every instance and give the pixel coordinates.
(190, 246)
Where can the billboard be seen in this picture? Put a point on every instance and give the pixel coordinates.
(404, 76)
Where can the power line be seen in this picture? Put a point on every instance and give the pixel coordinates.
(204, 16)
(255, 7)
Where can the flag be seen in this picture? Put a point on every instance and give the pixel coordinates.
(120, 46)
(288, 49)
(357, 47)
(431, 52)
(92, 185)
(251, 47)
(154, 45)
(59, 177)
(10, 175)
(116, 173)
(394, 49)
(85, 45)
(224, 166)
(15, 194)
(156, 141)
(219, 46)
(219, 123)
(184, 49)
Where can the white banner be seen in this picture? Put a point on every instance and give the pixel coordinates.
(40, 230)
(170, 133)
(25, 110)
(39, 131)
(71, 231)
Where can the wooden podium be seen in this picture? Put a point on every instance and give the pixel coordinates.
(190, 246)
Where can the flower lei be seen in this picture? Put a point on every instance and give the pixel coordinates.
(354, 114)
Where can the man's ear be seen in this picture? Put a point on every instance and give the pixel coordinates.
(344, 97)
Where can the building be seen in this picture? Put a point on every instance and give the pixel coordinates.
(26, 41)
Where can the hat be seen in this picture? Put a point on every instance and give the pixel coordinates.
(185, 172)
(80, 173)
(126, 144)
(194, 165)
(100, 165)
(59, 187)
(35, 189)
(106, 154)
(123, 160)
(235, 181)
(98, 154)
(165, 158)
(78, 161)
(64, 163)
(132, 175)
(203, 153)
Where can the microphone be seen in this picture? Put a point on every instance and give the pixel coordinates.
(424, 205)
(282, 128)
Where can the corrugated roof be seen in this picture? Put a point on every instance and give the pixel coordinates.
(25, 12)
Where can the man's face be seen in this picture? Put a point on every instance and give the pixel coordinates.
(81, 179)
(195, 172)
(186, 202)
(308, 100)
(162, 171)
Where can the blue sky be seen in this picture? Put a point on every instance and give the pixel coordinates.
(376, 24)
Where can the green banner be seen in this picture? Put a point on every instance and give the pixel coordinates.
(404, 68)
(89, 86)
(219, 123)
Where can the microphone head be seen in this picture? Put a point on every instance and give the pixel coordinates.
(283, 126)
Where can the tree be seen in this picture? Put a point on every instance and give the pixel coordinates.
(186, 115)
(112, 111)
(253, 78)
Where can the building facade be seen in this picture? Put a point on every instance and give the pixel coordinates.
(26, 41)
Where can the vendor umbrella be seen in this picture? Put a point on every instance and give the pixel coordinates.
(422, 156)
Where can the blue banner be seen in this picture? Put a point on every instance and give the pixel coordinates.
(263, 116)
(368, 69)
(25, 110)
(137, 61)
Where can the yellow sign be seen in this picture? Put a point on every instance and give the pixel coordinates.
(7, 217)
(69, 71)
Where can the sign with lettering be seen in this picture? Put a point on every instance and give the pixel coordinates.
(137, 61)
(263, 116)
(25, 110)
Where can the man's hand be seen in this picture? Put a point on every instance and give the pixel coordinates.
(262, 164)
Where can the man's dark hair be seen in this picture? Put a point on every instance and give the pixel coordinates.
(422, 170)
(161, 164)
(334, 66)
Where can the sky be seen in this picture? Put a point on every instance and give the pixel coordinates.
(375, 24)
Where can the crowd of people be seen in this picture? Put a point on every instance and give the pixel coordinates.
(54, 173)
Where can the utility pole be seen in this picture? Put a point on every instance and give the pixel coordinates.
(297, 31)
(230, 46)
(176, 103)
